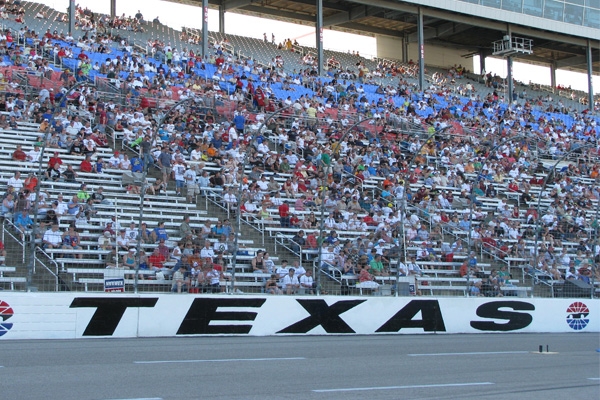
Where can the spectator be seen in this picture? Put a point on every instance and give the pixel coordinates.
(23, 223)
(160, 233)
(307, 283)
(289, 283)
(271, 286)
(52, 238)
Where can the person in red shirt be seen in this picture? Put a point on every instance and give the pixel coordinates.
(284, 215)
(156, 260)
(294, 221)
(19, 154)
(86, 165)
(30, 182)
(311, 240)
(54, 160)
(368, 219)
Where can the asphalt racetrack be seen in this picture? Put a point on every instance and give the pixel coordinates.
(485, 366)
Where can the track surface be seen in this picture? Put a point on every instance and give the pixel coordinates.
(485, 366)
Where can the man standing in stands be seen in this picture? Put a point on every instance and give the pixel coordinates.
(146, 152)
(164, 163)
(193, 189)
(284, 215)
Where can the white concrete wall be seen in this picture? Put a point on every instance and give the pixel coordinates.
(440, 56)
(389, 47)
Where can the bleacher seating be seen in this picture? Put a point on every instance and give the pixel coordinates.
(406, 118)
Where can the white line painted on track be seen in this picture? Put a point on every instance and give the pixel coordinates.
(403, 387)
(472, 353)
(222, 360)
(141, 398)
(594, 379)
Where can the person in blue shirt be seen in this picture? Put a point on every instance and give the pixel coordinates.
(23, 221)
(160, 233)
(239, 122)
(137, 165)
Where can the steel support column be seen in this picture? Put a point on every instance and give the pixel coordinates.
(221, 19)
(204, 28)
(113, 8)
(509, 78)
(72, 17)
(319, 35)
(421, 39)
(589, 75)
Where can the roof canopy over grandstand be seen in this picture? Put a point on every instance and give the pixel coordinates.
(458, 30)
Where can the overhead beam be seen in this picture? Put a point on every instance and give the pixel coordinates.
(449, 28)
(571, 62)
(474, 21)
(326, 5)
(233, 4)
(278, 13)
(346, 16)
(370, 29)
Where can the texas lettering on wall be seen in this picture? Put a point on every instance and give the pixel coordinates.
(218, 316)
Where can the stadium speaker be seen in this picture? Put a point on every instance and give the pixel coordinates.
(576, 288)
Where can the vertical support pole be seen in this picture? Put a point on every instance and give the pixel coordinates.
(204, 28)
(482, 56)
(509, 78)
(319, 34)
(72, 17)
(421, 50)
(589, 75)
(405, 49)
(113, 8)
(553, 75)
(221, 19)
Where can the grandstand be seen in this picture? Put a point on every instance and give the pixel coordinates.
(254, 127)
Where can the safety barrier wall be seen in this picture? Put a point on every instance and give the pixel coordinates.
(67, 316)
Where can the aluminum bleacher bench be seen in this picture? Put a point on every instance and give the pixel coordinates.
(12, 280)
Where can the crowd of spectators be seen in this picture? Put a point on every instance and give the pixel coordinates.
(198, 148)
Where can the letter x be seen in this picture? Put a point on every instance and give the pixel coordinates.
(322, 314)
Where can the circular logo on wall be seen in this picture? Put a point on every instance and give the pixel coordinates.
(577, 316)
(6, 312)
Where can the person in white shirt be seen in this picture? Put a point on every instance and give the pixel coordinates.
(402, 269)
(52, 238)
(131, 233)
(306, 282)
(178, 172)
(207, 251)
(16, 182)
(413, 267)
(327, 257)
(290, 283)
(192, 185)
(33, 155)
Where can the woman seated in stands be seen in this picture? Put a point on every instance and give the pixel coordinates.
(157, 187)
(310, 222)
(133, 189)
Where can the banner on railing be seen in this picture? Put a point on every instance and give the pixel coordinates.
(46, 316)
